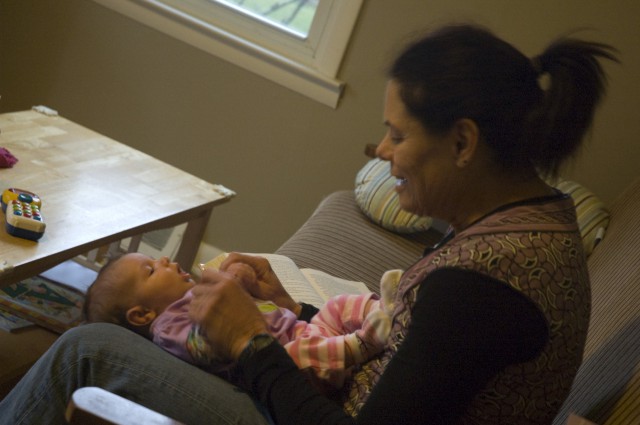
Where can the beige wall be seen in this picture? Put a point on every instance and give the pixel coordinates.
(279, 150)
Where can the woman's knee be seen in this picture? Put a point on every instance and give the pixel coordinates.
(95, 337)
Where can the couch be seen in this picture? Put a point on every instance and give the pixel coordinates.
(340, 239)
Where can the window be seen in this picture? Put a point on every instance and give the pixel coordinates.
(293, 16)
(296, 43)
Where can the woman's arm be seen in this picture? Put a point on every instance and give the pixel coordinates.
(465, 328)
(460, 321)
(226, 313)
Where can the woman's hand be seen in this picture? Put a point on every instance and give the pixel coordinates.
(266, 286)
(226, 314)
(244, 273)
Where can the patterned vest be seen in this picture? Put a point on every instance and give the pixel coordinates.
(536, 249)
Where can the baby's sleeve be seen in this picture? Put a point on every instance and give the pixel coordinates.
(171, 332)
(174, 332)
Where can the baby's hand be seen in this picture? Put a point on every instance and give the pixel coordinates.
(267, 286)
(244, 273)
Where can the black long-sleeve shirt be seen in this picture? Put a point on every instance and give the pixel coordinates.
(465, 328)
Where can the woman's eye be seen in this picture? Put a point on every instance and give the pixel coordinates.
(397, 138)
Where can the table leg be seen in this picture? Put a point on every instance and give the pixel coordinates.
(191, 239)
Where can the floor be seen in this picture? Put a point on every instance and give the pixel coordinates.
(19, 351)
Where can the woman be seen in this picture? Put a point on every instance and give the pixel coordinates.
(489, 325)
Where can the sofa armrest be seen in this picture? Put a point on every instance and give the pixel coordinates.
(574, 419)
(606, 388)
(92, 405)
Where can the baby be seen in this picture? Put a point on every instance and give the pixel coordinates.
(151, 297)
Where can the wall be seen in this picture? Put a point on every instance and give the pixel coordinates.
(279, 150)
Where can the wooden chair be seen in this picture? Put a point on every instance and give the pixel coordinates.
(95, 406)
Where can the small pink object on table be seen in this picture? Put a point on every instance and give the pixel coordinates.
(6, 159)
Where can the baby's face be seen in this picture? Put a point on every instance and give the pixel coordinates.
(156, 283)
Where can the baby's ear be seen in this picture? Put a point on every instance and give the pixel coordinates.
(140, 315)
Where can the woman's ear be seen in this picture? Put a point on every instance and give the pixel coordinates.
(140, 316)
(466, 135)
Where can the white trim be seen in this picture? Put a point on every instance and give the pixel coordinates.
(316, 81)
(330, 50)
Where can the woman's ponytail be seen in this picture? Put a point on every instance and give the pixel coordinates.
(575, 85)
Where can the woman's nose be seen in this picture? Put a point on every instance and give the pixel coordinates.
(383, 151)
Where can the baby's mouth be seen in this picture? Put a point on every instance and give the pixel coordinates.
(185, 275)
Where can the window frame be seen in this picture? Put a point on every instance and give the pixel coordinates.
(313, 74)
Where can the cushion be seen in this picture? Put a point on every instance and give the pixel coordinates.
(377, 198)
(593, 216)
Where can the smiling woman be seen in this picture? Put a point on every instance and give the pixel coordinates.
(420, 160)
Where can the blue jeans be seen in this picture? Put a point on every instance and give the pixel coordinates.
(126, 364)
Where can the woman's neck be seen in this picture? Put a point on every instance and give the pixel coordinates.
(495, 191)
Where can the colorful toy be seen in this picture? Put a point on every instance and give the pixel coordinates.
(12, 194)
(22, 214)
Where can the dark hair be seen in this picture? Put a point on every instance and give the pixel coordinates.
(465, 71)
(101, 301)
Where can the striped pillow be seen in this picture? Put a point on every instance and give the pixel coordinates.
(593, 216)
(377, 198)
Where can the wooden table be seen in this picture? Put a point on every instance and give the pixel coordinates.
(94, 191)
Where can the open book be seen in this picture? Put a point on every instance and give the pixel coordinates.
(306, 285)
(11, 323)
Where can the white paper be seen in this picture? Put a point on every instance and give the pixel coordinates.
(71, 274)
(305, 285)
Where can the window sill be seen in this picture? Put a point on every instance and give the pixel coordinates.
(215, 41)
